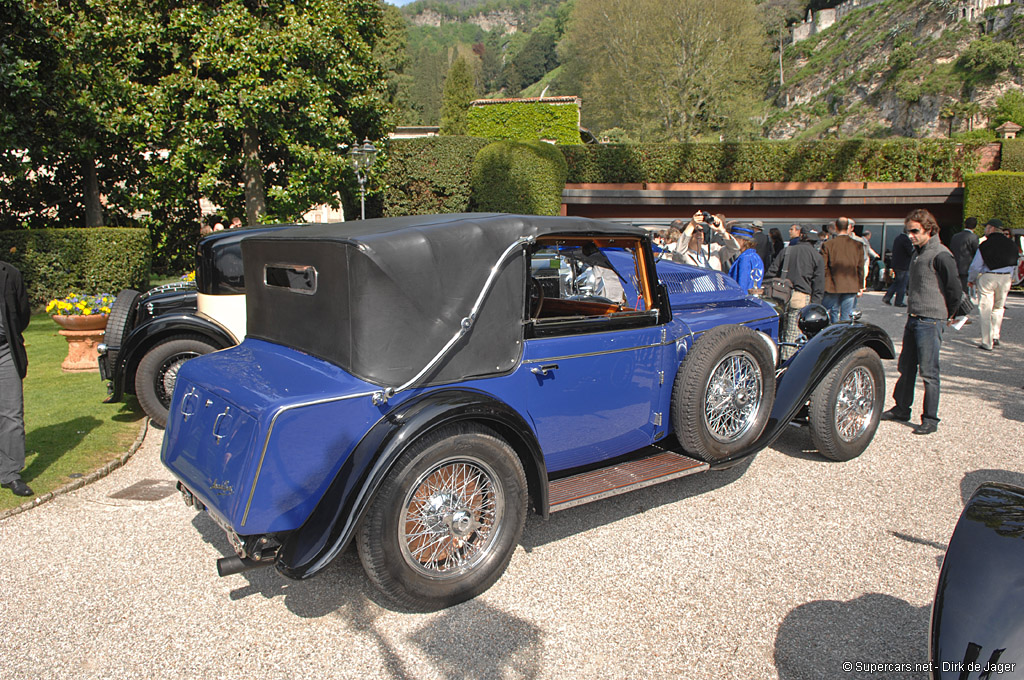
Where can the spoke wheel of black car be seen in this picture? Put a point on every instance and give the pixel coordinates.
(158, 372)
(723, 393)
(120, 322)
(847, 404)
(444, 524)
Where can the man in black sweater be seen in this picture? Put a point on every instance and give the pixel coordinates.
(934, 293)
(964, 245)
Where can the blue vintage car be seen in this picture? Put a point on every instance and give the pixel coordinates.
(418, 384)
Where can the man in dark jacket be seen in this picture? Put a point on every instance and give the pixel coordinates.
(14, 317)
(964, 245)
(934, 294)
(802, 264)
(899, 262)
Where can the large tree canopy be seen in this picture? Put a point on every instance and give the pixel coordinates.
(670, 70)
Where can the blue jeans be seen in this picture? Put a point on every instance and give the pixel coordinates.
(898, 287)
(922, 340)
(840, 306)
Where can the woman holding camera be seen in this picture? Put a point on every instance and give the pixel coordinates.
(694, 248)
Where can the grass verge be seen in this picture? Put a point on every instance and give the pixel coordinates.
(68, 428)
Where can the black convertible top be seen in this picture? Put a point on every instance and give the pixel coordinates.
(381, 297)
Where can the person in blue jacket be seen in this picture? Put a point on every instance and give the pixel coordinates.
(747, 269)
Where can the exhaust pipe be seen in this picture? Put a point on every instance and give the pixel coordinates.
(226, 566)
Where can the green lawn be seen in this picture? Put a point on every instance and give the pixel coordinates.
(68, 428)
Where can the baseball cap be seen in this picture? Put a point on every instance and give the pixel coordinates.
(757, 224)
(995, 222)
(811, 234)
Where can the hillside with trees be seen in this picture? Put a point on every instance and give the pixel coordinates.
(726, 69)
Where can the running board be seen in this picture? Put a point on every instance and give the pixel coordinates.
(587, 487)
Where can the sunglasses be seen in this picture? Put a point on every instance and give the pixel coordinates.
(913, 231)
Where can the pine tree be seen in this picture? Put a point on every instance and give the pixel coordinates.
(459, 91)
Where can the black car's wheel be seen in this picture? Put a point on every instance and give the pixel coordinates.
(846, 405)
(158, 371)
(444, 524)
(120, 322)
(723, 393)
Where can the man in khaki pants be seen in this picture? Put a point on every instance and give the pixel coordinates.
(991, 273)
(801, 263)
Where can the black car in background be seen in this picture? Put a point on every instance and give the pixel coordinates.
(150, 335)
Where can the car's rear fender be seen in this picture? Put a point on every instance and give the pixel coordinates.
(798, 377)
(331, 525)
(145, 336)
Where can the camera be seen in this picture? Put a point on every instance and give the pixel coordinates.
(705, 216)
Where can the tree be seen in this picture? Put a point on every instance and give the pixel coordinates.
(1010, 107)
(536, 57)
(262, 97)
(667, 71)
(459, 91)
(427, 74)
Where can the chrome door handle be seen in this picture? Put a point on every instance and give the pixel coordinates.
(542, 371)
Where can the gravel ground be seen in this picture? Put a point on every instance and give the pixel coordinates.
(785, 566)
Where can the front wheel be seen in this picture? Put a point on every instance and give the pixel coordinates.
(158, 372)
(445, 522)
(846, 406)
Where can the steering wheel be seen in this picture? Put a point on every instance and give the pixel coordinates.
(536, 297)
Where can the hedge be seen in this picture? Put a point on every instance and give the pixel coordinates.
(1012, 155)
(57, 262)
(519, 177)
(526, 121)
(903, 160)
(429, 175)
(995, 194)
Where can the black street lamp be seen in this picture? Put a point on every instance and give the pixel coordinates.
(361, 157)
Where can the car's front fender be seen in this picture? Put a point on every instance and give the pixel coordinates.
(332, 523)
(805, 369)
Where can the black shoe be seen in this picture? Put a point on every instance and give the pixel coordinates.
(899, 304)
(995, 343)
(887, 301)
(19, 488)
(981, 346)
(893, 414)
(926, 427)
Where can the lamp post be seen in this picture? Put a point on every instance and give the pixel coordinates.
(361, 158)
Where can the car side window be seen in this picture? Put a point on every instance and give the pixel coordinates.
(586, 285)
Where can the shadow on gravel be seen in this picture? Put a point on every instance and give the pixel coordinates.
(816, 639)
(472, 639)
(600, 513)
(1001, 374)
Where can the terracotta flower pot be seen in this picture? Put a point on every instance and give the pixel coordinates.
(87, 322)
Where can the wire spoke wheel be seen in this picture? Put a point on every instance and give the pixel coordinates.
(168, 376)
(854, 404)
(733, 396)
(452, 516)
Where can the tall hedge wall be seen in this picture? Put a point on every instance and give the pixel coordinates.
(56, 262)
(995, 194)
(519, 177)
(904, 160)
(526, 121)
(1012, 155)
(429, 175)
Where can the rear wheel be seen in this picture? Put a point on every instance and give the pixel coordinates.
(158, 372)
(444, 524)
(723, 393)
(846, 405)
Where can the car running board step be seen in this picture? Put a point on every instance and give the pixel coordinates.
(587, 487)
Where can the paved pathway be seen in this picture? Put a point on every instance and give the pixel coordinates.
(786, 566)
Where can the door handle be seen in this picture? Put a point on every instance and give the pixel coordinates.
(542, 371)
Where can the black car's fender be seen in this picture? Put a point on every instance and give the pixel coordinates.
(145, 336)
(802, 373)
(977, 624)
(331, 525)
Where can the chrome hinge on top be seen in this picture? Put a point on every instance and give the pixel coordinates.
(657, 420)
